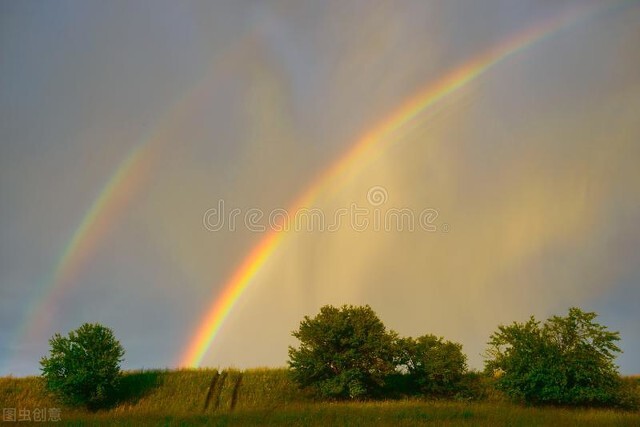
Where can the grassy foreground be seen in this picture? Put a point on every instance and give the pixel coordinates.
(267, 397)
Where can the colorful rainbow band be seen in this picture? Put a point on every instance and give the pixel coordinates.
(434, 92)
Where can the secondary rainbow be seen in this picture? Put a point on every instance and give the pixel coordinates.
(124, 183)
(368, 145)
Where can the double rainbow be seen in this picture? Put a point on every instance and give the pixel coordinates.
(130, 175)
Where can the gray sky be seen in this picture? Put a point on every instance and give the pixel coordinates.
(532, 166)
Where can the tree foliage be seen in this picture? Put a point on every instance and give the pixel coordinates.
(434, 366)
(566, 360)
(84, 368)
(344, 352)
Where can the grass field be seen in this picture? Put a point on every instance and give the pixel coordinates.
(267, 397)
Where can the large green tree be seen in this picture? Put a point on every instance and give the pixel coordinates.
(84, 368)
(343, 352)
(565, 360)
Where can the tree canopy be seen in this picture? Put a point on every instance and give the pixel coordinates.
(348, 352)
(432, 364)
(344, 352)
(565, 360)
(84, 368)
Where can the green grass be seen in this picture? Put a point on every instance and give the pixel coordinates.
(267, 397)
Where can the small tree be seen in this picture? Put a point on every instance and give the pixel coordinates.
(84, 368)
(567, 360)
(344, 352)
(434, 366)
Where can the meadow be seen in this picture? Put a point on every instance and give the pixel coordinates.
(268, 397)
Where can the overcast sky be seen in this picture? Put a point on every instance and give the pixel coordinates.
(532, 168)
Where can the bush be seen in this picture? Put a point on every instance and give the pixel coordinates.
(479, 387)
(345, 352)
(628, 395)
(433, 366)
(84, 368)
(567, 360)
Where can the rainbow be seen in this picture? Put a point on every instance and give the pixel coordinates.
(366, 147)
(124, 183)
(99, 219)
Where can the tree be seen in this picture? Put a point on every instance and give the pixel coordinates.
(84, 368)
(566, 360)
(434, 366)
(344, 352)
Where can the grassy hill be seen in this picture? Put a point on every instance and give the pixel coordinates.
(268, 397)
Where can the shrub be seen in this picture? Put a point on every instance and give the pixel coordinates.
(477, 386)
(434, 366)
(628, 395)
(567, 360)
(344, 352)
(84, 368)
